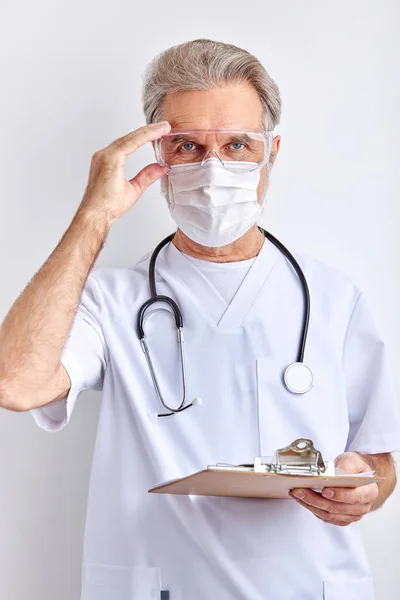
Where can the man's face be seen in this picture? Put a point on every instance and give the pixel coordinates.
(235, 106)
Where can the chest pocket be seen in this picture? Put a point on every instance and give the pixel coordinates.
(320, 414)
(106, 582)
(349, 590)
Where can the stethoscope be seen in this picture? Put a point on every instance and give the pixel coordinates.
(297, 377)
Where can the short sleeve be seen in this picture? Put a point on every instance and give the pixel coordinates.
(85, 357)
(372, 404)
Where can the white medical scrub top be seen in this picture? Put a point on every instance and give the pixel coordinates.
(141, 546)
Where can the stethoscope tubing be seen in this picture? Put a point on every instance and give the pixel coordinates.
(154, 298)
(304, 287)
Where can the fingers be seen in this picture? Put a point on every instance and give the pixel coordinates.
(340, 506)
(361, 495)
(107, 190)
(146, 177)
(314, 500)
(132, 141)
(329, 517)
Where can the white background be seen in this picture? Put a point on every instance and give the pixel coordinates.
(71, 76)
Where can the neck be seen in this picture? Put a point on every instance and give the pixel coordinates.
(247, 246)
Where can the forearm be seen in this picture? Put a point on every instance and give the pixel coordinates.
(34, 332)
(384, 466)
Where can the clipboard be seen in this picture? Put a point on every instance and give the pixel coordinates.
(298, 465)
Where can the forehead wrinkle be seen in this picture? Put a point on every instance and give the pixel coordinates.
(202, 121)
(232, 106)
(216, 119)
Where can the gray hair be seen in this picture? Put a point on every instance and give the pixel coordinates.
(203, 64)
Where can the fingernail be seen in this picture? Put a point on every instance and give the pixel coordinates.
(328, 493)
(159, 124)
(299, 494)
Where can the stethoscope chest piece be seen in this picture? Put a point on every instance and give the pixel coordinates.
(298, 378)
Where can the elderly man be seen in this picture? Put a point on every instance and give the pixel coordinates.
(211, 109)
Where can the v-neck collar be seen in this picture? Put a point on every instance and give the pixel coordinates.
(173, 266)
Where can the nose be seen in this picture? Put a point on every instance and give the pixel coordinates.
(211, 151)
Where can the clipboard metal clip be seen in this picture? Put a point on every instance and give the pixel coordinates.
(299, 458)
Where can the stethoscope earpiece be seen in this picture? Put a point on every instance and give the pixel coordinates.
(197, 401)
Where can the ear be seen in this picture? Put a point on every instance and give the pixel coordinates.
(275, 148)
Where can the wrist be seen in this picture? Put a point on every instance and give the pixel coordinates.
(88, 218)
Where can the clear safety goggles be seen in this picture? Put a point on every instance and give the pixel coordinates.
(233, 148)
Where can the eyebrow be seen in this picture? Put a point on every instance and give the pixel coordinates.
(243, 137)
(178, 138)
(239, 137)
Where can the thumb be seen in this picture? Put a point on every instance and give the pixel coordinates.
(146, 177)
(351, 462)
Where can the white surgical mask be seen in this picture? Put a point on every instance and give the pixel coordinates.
(212, 205)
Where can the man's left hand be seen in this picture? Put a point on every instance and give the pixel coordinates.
(341, 506)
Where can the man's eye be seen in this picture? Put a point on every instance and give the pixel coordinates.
(237, 145)
(188, 146)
